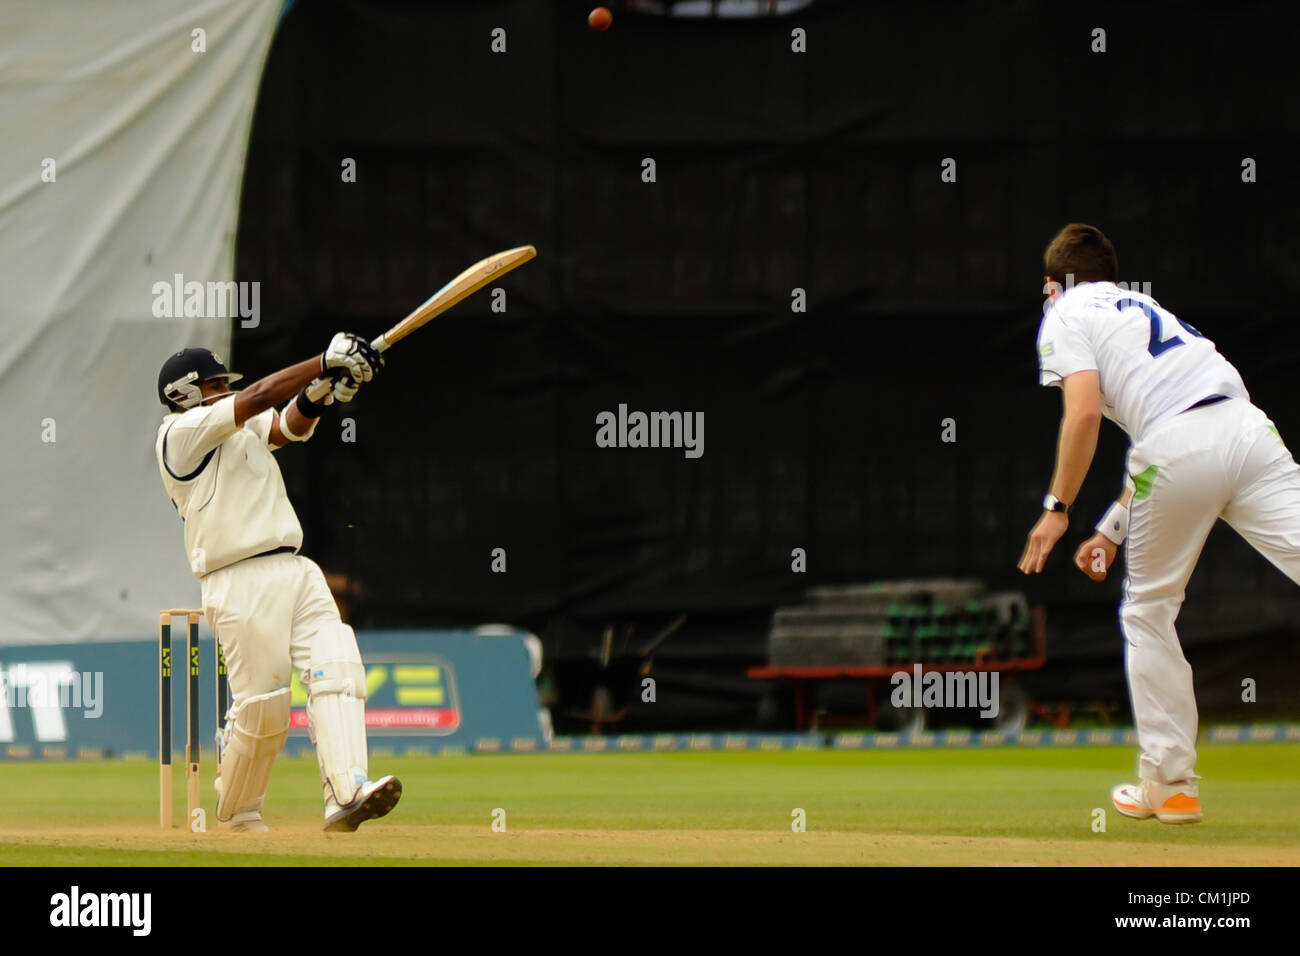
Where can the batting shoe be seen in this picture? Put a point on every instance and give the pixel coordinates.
(1168, 804)
(250, 822)
(374, 800)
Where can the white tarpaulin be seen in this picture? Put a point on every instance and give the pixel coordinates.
(123, 152)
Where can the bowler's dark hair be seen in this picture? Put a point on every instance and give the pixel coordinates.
(1082, 251)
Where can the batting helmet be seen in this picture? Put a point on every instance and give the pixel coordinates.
(178, 382)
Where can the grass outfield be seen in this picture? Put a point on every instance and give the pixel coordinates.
(906, 807)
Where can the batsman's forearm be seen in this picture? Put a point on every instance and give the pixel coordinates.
(275, 388)
(298, 423)
(1074, 450)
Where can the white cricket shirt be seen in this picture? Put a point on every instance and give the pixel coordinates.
(225, 484)
(1151, 364)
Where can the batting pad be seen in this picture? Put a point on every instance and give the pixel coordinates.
(253, 740)
(336, 709)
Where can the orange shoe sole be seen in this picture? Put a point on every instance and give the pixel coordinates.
(1180, 808)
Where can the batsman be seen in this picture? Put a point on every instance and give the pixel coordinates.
(269, 605)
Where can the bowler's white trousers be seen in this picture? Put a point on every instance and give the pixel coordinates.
(1220, 461)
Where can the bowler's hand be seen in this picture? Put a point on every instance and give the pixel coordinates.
(1041, 540)
(1097, 552)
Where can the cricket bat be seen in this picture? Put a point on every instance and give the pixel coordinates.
(457, 290)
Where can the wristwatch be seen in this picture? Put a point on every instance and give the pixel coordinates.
(1053, 503)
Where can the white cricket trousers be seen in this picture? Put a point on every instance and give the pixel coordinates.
(1221, 461)
(269, 613)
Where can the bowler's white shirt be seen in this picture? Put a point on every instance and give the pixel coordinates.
(1151, 366)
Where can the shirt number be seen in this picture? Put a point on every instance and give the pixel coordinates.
(1158, 344)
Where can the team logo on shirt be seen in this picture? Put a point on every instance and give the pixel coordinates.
(1046, 349)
